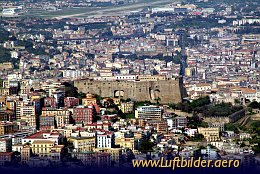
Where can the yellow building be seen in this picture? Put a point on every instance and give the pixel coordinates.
(4, 91)
(189, 72)
(54, 112)
(211, 134)
(35, 96)
(6, 66)
(128, 143)
(126, 107)
(30, 120)
(2, 101)
(83, 144)
(61, 115)
(42, 147)
(88, 101)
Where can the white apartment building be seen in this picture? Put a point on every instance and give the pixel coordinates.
(105, 139)
(5, 145)
(149, 112)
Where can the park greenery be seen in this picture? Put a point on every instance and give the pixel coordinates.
(5, 55)
(4, 35)
(195, 122)
(254, 105)
(253, 127)
(231, 127)
(255, 131)
(204, 106)
(197, 138)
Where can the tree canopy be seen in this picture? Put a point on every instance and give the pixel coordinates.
(146, 146)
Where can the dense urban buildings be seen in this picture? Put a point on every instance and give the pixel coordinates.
(129, 79)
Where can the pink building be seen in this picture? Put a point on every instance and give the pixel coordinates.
(71, 102)
(83, 115)
(50, 102)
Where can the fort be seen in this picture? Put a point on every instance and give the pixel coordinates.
(163, 91)
(226, 119)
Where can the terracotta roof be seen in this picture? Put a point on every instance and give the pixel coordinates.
(6, 153)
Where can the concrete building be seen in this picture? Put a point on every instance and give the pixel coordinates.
(177, 122)
(6, 145)
(105, 139)
(148, 112)
(82, 115)
(8, 127)
(126, 107)
(71, 102)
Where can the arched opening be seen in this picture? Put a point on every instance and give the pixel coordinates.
(119, 93)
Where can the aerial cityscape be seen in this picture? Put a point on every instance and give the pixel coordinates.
(100, 83)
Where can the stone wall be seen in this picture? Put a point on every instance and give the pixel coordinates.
(165, 91)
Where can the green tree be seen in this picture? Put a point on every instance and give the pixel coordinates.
(200, 102)
(254, 105)
(237, 101)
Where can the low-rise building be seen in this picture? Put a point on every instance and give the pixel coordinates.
(211, 134)
(83, 144)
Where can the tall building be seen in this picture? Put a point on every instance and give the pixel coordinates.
(19, 104)
(26, 153)
(28, 113)
(59, 96)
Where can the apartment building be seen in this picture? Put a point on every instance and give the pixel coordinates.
(105, 139)
(83, 144)
(149, 112)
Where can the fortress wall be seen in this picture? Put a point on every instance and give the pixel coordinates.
(167, 91)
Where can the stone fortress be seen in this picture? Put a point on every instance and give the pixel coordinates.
(138, 88)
